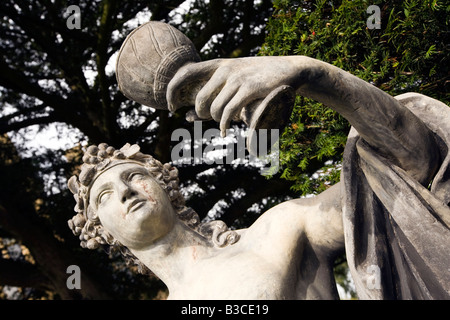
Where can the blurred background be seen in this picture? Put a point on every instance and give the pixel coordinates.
(58, 93)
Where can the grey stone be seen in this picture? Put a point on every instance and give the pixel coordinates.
(390, 212)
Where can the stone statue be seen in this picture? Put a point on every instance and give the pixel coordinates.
(390, 212)
(129, 200)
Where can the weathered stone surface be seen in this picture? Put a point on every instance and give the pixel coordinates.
(395, 230)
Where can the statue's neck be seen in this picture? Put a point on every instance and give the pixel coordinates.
(172, 257)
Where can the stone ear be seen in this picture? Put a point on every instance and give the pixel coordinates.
(73, 185)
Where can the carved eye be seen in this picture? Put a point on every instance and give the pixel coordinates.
(103, 197)
(136, 176)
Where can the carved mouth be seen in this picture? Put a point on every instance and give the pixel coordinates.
(135, 204)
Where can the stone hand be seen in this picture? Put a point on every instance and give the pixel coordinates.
(221, 89)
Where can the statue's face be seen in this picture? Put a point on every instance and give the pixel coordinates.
(131, 205)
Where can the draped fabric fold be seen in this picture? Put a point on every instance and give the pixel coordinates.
(397, 232)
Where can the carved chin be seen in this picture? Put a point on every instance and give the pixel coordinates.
(148, 215)
(142, 210)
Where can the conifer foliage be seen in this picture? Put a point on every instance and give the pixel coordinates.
(409, 53)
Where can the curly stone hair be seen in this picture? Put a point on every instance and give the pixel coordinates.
(86, 223)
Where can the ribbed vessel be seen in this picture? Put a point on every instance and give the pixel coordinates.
(149, 58)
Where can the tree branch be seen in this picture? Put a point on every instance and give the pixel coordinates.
(65, 110)
(4, 128)
(106, 20)
(13, 79)
(35, 108)
(43, 35)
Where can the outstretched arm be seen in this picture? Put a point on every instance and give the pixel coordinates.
(386, 125)
(227, 85)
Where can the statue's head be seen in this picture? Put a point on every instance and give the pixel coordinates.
(128, 200)
(125, 199)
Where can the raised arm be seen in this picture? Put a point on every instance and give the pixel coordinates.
(227, 85)
(385, 124)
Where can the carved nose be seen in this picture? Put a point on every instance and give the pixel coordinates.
(126, 193)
